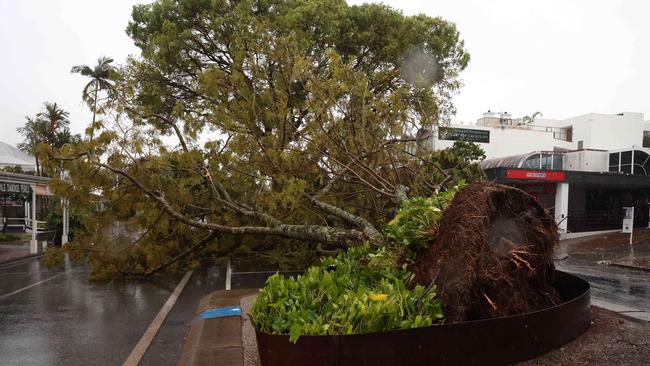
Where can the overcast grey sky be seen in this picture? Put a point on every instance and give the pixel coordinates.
(563, 58)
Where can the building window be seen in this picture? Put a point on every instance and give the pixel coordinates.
(614, 159)
(557, 162)
(532, 162)
(646, 138)
(641, 162)
(626, 169)
(626, 157)
(547, 161)
(635, 162)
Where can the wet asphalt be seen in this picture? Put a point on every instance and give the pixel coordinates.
(589, 257)
(168, 343)
(615, 285)
(58, 317)
(64, 319)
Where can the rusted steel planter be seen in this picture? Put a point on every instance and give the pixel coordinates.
(482, 342)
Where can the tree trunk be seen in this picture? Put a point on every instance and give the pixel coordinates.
(92, 127)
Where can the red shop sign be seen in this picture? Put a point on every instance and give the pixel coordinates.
(535, 175)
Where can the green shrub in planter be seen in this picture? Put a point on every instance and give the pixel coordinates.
(416, 222)
(362, 290)
(359, 291)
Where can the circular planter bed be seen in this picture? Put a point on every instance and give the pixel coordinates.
(482, 342)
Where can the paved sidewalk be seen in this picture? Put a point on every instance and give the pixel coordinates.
(13, 250)
(620, 331)
(619, 282)
(230, 340)
(215, 339)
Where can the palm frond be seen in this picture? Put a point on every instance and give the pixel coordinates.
(82, 69)
(88, 93)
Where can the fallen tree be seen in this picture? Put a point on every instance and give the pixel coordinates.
(309, 132)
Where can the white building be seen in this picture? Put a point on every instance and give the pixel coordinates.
(583, 169)
(500, 135)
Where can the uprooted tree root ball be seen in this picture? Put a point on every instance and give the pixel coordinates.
(493, 255)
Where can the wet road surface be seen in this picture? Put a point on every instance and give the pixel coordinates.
(588, 258)
(58, 317)
(615, 285)
(168, 344)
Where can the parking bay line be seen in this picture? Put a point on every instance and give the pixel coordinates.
(33, 285)
(148, 336)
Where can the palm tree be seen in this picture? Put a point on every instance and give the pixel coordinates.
(100, 76)
(530, 119)
(55, 118)
(64, 136)
(34, 131)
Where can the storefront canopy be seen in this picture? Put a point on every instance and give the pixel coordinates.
(548, 160)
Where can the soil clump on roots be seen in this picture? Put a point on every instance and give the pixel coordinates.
(492, 255)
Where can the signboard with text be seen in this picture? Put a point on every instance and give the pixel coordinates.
(535, 175)
(14, 188)
(463, 134)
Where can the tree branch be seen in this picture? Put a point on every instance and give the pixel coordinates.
(301, 232)
(367, 228)
(183, 254)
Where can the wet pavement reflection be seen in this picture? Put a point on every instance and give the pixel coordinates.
(58, 317)
(597, 260)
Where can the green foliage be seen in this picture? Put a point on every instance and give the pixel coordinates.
(416, 222)
(9, 237)
(306, 105)
(100, 76)
(468, 151)
(48, 128)
(359, 291)
(15, 169)
(54, 222)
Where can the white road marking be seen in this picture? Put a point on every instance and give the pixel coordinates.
(265, 272)
(33, 284)
(148, 336)
(228, 275)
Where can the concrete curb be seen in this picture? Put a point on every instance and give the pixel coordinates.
(629, 266)
(216, 341)
(625, 311)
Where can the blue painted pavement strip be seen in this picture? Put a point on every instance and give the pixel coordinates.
(218, 313)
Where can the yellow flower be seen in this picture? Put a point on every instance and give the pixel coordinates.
(394, 220)
(377, 297)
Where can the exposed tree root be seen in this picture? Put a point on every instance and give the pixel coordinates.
(492, 255)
